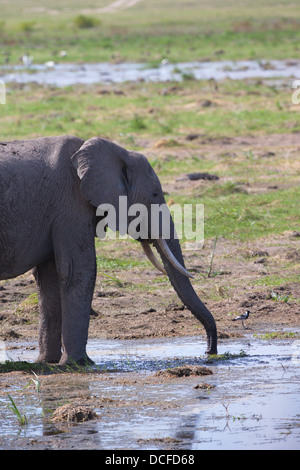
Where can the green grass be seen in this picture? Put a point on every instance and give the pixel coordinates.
(112, 263)
(275, 280)
(239, 216)
(13, 407)
(227, 356)
(31, 301)
(85, 22)
(143, 110)
(151, 31)
(142, 113)
(279, 298)
(278, 335)
(41, 369)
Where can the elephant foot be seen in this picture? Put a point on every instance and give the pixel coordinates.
(211, 351)
(46, 359)
(69, 360)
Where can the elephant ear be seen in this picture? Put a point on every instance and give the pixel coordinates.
(102, 167)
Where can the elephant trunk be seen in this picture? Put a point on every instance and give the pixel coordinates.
(186, 293)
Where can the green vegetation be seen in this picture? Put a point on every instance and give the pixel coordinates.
(11, 366)
(40, 368)
(151, 31)
(135, 110)
(244, 107)
(279, 298)
(27, 26)
(246, 217)
(275, 280)
(112, 263)
(31, 301)
(83, 21)
(148, 113)
(278, 335)
(226, 356)
(13, 407)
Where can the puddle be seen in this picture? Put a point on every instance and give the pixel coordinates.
(70, 74)
(255, 402)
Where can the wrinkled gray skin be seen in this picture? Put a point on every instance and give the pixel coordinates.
(49, 190)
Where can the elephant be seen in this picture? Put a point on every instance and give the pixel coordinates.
(50, 189)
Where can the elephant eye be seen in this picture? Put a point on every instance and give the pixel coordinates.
(155, 194)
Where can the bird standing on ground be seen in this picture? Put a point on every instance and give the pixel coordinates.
(27, 60)
(242, 317)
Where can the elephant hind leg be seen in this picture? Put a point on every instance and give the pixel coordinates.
(50, 312)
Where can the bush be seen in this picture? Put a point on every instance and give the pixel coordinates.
(83, 21)
(27, 26)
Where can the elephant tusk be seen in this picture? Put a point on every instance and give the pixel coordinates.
(169, 255)
(149, 253)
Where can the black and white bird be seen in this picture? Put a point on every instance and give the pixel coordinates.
(242, 317)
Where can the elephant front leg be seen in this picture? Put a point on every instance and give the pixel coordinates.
(76, 299)
(50, 312)
(75, 258)
(76, 308)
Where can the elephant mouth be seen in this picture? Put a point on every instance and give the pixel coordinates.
(168, 254)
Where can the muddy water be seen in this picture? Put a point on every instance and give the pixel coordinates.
(106, 73)
(254, 404)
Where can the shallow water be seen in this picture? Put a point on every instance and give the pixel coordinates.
(255, 403)
(70, 74)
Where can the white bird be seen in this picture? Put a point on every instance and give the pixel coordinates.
(50, 64)
(27, 60)
(242, 317)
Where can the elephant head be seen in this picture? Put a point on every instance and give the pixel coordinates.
(108, 172)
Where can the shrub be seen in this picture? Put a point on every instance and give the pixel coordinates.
(83, 21)
(27, 26)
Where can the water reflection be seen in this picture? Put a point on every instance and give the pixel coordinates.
(71, 74)
(255, 403)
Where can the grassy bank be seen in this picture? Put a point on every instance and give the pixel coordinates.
(149, 31)
(171, 110)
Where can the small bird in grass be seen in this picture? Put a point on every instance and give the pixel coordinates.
(242, 317)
